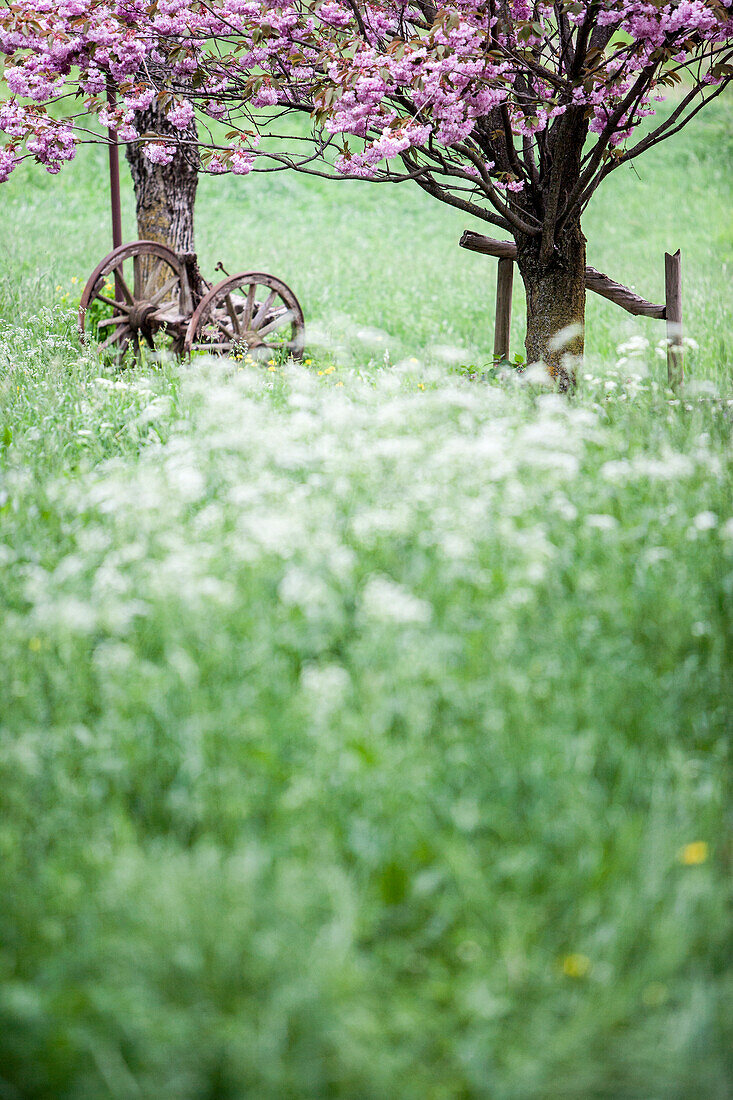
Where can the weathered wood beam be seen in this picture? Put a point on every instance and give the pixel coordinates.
(477, 242)
(503, 320)
(673, 313)
(621, 295)
(594, 280)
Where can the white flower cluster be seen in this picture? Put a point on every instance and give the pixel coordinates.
(294, 513)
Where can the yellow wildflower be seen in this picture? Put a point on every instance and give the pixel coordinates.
(694, 853)
(576, 966)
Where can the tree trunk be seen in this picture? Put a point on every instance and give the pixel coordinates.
(165, 193)
(555, 293)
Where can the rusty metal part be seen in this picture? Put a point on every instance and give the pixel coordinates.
(253, 313)
(114, 173)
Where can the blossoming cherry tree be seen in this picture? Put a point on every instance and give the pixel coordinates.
(511, 111)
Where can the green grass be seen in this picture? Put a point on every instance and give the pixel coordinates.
(364, 734)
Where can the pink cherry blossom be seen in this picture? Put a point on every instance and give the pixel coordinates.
(467, 103)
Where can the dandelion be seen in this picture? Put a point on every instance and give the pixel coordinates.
(576, 966)
(694, 853)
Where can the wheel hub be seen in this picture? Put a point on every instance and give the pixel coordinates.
(141, 318)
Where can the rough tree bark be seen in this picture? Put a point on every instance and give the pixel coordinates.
(555, 293)
(552, 264)
(165, 193)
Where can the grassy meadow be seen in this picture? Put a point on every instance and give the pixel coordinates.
(364, 724)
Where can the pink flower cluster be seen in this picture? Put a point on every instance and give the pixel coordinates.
(181, 114)
(159, 152)
(397, 79)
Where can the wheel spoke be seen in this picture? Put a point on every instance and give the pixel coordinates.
(115, 305)
(113, 321)
(233, 315)
(138, 278)
(277, 322)
(262, 311)
(160, 294)
(122, 284)
(222, 327)
(120, 332)
(249, 304)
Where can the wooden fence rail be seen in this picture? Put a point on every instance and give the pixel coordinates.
(620, 295)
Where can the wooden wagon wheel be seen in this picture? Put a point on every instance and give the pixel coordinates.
(137, 293)
(252, 313)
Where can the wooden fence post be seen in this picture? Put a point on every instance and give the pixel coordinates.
(673, 314)
(506, 252)
(502, 323)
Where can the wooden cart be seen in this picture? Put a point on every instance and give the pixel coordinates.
(144, 293)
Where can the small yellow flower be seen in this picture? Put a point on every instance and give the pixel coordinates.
(694, 853)
(329, 370)
(272, 368)
(339, 383)
(308, 362)
(421, 385)
(576, 966)
(58, 289)
(75, 278)
(320, 373)
(34, 645)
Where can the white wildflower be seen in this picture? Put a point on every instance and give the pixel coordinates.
(386, 601)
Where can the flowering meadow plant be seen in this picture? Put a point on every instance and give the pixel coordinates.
(508, 111)
(362, 735)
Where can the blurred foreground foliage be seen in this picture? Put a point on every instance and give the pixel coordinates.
(363, 734)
